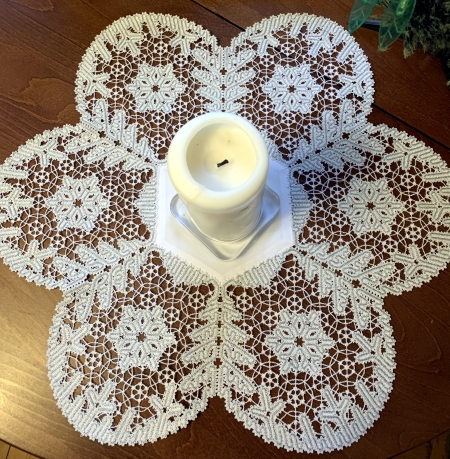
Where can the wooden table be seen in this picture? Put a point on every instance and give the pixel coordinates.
(41, 44)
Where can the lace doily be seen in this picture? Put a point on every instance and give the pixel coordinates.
(73, 203)
(145, 75)
(299, 345)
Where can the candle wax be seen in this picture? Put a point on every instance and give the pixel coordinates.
(218, 164)
(215, 144)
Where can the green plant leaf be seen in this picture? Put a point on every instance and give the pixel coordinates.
(394, 22)
(359, 13)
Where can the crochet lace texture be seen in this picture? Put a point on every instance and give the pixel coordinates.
(299, 347)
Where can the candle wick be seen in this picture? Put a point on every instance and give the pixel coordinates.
(225, 161)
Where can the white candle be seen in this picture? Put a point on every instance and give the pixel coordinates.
(218, 165)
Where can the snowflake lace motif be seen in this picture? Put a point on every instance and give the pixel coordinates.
(78, 203)
(155, 88)
(141, 338)
(299, 342)
(292, 89)
(371, 206)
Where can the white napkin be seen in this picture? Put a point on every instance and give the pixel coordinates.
(174, 237)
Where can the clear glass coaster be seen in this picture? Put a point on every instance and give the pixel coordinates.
(229, 250)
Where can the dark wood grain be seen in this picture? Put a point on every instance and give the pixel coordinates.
(15, 453)
(436, 448)
(4, 450)
(41, 44)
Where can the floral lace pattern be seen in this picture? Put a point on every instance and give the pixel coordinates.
(299, 342)
(77, 203)
(281, 74)
(70, 206)
(299, 346)
(292, 89)
(137, 399)
(370, 206)
(317, 393)
(155, 88)
(141, 338)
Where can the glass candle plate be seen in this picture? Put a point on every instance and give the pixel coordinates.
(229, 250)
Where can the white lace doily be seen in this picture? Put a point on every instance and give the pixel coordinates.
(145, 75)
(299, 345)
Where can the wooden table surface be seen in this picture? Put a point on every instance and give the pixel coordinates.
(41, 44)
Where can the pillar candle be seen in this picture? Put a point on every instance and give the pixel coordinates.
(218, 164)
